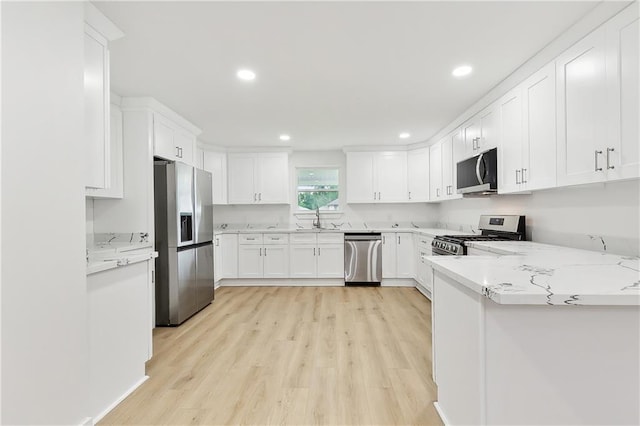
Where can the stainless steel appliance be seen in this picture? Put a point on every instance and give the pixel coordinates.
(478, 174)
(493, 227)
(362, 258)
(184, 241)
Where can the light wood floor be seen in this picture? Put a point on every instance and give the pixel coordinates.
(292, 355)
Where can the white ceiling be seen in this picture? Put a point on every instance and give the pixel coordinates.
(330, 74)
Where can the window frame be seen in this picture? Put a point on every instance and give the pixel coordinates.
(301, 210)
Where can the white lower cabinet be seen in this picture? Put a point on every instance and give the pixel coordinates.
(263, 256)
(397, 255)
(317, 255)
(423, 270)
(226, 256)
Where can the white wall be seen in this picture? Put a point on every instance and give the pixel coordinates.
(353, 213)
(573, 216)
(44, 318)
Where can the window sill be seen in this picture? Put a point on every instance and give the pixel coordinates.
(324, 214)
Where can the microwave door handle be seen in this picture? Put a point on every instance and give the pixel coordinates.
(478, 175)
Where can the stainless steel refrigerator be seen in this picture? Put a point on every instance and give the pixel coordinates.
(184, 241)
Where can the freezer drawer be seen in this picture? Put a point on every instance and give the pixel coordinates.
(204, 275)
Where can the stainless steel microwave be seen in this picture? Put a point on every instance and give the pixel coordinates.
(478, 174)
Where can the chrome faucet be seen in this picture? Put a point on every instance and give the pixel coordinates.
(316, 221)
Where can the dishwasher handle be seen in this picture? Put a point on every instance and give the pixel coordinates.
(362, 237)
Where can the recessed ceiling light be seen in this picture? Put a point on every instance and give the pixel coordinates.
(404, 135)
(285, 137)
(246, 74)
(462, 71)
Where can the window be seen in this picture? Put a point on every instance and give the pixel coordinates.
(318, 187)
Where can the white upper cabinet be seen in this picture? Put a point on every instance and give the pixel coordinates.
(511, 168)
(442, 167)
(621, 153)
(418, 175)
(216, 164)
(435, 172)
(377, 177)
(480, 133)
(258, 178)
(115, 186)
(172, 142)
(582, 111)
(97, 34)
(539, 126)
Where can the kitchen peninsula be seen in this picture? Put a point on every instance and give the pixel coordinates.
(548, 337)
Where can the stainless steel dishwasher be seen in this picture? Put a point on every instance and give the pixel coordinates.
(362, 258)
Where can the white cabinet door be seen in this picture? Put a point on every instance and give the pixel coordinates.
(272, 178)
(216, 164)
(581, 102)
(96, 109)
(470, 136)
(360, 177)
(250, 261)
(115, 186)
(435, 172)
(164, 145)
(303, 261)
(391, 176)
(241, 169)
(539, 125)
(489, 129)
(228, 252)
(217, 258)
(418, 175)
(448, 166)
(405, 262)
(330, 260)
(511, 168)
(185, 146)
(389, 268)
(622, 150)
(276, 260)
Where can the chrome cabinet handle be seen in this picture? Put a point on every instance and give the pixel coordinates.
(409, 194)
(437, 192)
(260, 251)
(314, 251)
(255, 197)
(374, 196)
(398, 239)
(259, 196)
(178, 151)
(597, 169)
(524, 180)
(384, 240)
(609, 151)
(318, 251)
(517, 176)
(379, 197)
(265, 252)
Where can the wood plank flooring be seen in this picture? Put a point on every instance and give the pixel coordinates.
(292, 356)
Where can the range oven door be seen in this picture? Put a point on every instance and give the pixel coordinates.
(478, 174)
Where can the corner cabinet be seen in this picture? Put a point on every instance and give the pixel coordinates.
(377, 177)
(261, 178)
(216, 164)
(98, 32)
(418, 175)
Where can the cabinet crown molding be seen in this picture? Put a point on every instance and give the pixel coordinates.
(375, 148)
(94, 18)
(149, 103)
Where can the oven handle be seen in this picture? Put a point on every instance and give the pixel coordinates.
(480, 160)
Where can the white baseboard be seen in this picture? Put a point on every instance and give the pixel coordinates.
(87, 421)
(113, 405)
(217, 285)
(443, 417)
(398, 282)
(283, 282)
(426, 293)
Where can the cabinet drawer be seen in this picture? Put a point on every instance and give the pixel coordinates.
(276, 238)
(333, 237)
(250, 239)
(303, 238)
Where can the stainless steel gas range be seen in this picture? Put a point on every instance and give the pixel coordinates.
(493, 228)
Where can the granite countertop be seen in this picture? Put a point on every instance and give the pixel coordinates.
(542, 274)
